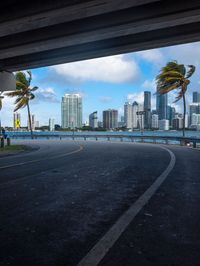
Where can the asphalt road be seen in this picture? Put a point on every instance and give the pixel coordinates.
(58, 200)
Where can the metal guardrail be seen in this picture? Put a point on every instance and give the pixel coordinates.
(190, 141)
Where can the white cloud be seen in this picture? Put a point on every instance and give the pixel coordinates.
(105, 99)
(149, 85)
(186, 53)
(45, 95)
(113, 69)
(6, 113)
(153, 56)
(138, 97)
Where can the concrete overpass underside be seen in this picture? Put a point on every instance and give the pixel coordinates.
(41, 33)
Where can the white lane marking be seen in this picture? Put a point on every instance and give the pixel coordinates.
(38, 160)
(98, 252)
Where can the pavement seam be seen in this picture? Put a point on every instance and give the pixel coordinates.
(98, 252)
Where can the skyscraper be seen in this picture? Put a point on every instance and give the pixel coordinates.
(154, 122)
(110, 119)
(128, 114)
(71, 111)
(194, 109)
(170, 114)
(131, 119)
(51, 124)
(32, 122)
(196, 97)
(93, 120)
(147, 109)
(161, 106)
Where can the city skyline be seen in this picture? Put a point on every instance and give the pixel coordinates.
(104, 83)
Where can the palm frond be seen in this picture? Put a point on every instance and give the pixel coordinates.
(20, 85)
(190, 72)
(163, 89)
(169, 73)
(30, 76)
(21, 77)
(31, 96)
(13, 93)
(34, 88)
(22, 103)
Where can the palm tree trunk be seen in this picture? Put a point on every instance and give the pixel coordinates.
(29, 119)
(184, 113)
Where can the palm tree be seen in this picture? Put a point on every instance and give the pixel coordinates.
(24, 93)
(175, 76)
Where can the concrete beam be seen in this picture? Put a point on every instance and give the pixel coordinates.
(93, 28)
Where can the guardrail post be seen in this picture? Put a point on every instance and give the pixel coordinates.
(2, 142)
(142, 140)
(121, 139)
(60, 138)
(166, 142)
(96, 138)
(8, 141)
(154, 141)
(194, 144)
(84, 138)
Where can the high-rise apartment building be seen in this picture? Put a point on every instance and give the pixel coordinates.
(93, 120)
(177, 123)
(110, 119)
(147, 109)
(71, 111)
(161, 106)
(170, 114)
(131, 119)
(140, 117)
(33, 125)
(196, 97)
(51, 124)
(163, 124)
(154, 121)
(16, 120)
(128, 115)
(195, 119)
(194, 109)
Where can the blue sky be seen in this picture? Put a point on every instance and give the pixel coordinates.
(104, 82)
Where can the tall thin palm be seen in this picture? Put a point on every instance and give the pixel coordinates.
(24, 93)
(175, 76)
